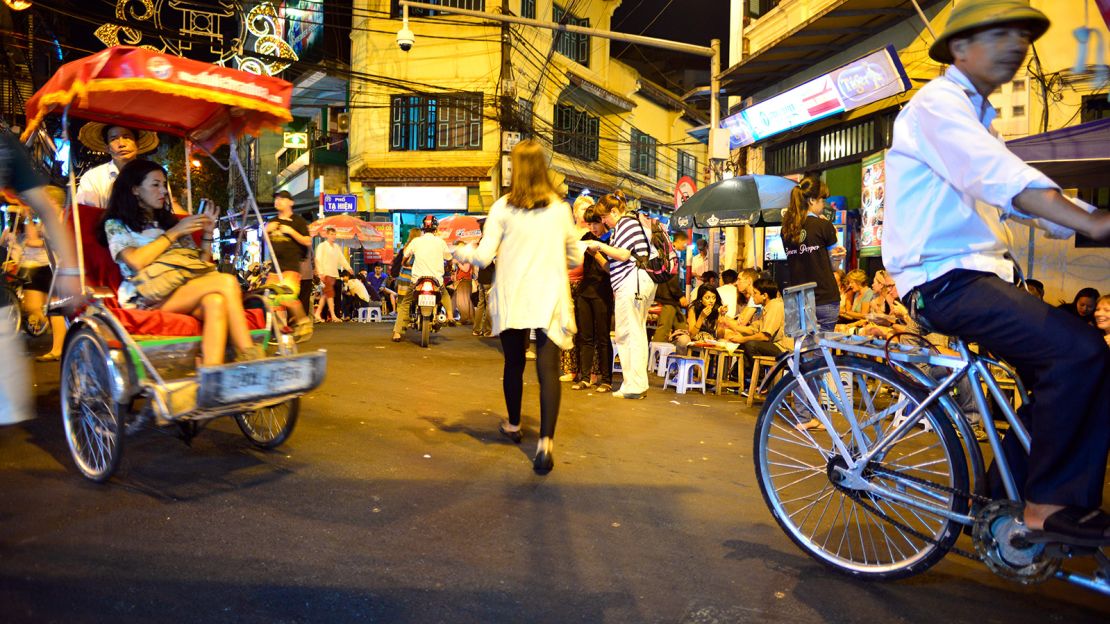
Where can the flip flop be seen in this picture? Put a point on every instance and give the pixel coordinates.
(48, 357)
(1076, 526)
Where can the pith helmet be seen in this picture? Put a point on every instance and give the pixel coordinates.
(972, 14)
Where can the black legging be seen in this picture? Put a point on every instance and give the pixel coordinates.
(594, 316)
(514, 342)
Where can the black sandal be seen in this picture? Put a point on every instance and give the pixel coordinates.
(515, 436)
(1076, 526)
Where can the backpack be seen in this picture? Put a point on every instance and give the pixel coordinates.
(663, 266)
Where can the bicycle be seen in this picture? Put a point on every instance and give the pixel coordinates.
(885, 490)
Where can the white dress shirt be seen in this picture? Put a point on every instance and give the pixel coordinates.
(428, 251)
(330, 258)
(730, 296)
(96, 185)
(531, 288)
(950, 186)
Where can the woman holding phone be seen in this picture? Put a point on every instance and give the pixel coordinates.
(139, 230)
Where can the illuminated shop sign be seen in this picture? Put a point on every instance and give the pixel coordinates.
(863, 81)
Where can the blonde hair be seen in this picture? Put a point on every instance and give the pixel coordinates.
(580, 205)
(532, 186)
(611, 203)
(857, 276)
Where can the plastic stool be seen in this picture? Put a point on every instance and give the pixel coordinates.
(685, 372)
(616, 360)
(657, 357)
(369, 315)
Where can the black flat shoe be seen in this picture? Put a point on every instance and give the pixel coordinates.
(1075, 526)
(543, 462)
(515, 436)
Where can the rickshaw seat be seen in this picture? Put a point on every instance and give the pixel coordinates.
(102, 274)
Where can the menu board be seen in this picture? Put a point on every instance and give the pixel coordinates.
(869, 79)
(872, 200)
(380, 250)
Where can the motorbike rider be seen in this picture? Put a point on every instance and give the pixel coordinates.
(428, 252)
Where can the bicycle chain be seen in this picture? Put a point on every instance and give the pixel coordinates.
(857, 496)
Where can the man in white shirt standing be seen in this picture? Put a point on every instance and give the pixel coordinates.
(951, 185)
(123, 145)
(428, 252)
(329, 259)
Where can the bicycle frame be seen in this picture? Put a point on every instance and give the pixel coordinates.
(966, 364)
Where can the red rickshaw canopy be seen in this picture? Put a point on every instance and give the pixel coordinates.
(148, 90)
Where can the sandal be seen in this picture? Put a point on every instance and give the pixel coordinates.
(48, 357)
(809, 425)
(515, 436)
(581, 385)
(1076, 526)
(604, 388)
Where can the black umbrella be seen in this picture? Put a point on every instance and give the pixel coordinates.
(744, 200)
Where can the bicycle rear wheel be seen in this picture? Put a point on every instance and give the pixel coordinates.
(854, 531)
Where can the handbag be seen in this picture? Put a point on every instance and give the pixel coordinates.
(176, 266)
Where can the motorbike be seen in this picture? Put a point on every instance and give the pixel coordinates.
(427, 318)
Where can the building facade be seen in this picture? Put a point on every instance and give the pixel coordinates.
(779, 45)
(434, 136)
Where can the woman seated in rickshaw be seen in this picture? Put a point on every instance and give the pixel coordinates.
(162, 267)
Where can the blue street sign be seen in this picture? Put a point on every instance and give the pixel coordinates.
(340, 203)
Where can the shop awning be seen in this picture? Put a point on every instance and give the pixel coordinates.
(416, 176)
(840, 25)
(1077, 156)
(591, 90)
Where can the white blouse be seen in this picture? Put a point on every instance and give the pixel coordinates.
(533, 249)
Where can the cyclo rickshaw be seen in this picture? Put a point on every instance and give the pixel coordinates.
(124, 368)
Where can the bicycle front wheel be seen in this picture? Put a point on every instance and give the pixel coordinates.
(11, 316)
(862, 533)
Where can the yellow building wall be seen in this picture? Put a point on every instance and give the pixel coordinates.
(439, 58)
(1062, 267)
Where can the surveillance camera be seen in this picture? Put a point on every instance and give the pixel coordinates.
(405, 39)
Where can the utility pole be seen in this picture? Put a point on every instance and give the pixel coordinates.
(505, 105)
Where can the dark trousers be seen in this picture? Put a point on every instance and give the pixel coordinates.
(753, 348)
(514, 343)
(594, 316)
(1064, 363)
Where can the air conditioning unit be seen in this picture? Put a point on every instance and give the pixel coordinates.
(343, 122)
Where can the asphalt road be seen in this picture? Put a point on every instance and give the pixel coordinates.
(396, 500)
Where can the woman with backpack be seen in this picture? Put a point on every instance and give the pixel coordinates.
(633, 290)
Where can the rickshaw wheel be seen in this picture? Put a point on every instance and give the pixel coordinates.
(270, 426)
(92, 419)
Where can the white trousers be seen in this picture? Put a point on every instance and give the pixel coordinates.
(15, 386)
(631, 340)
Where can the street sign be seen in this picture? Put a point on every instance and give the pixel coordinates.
(340, 203)
(295, 140)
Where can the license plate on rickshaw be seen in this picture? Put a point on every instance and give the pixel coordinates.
(426, 300)
(252, 381)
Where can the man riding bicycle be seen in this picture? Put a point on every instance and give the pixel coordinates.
(429, 251)
(951, 185)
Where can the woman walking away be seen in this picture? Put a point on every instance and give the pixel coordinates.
(633, 292)
(531, 235)
(811, 247)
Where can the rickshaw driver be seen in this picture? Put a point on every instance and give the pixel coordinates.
(17, 172)
(950, 185)
(123, 145)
